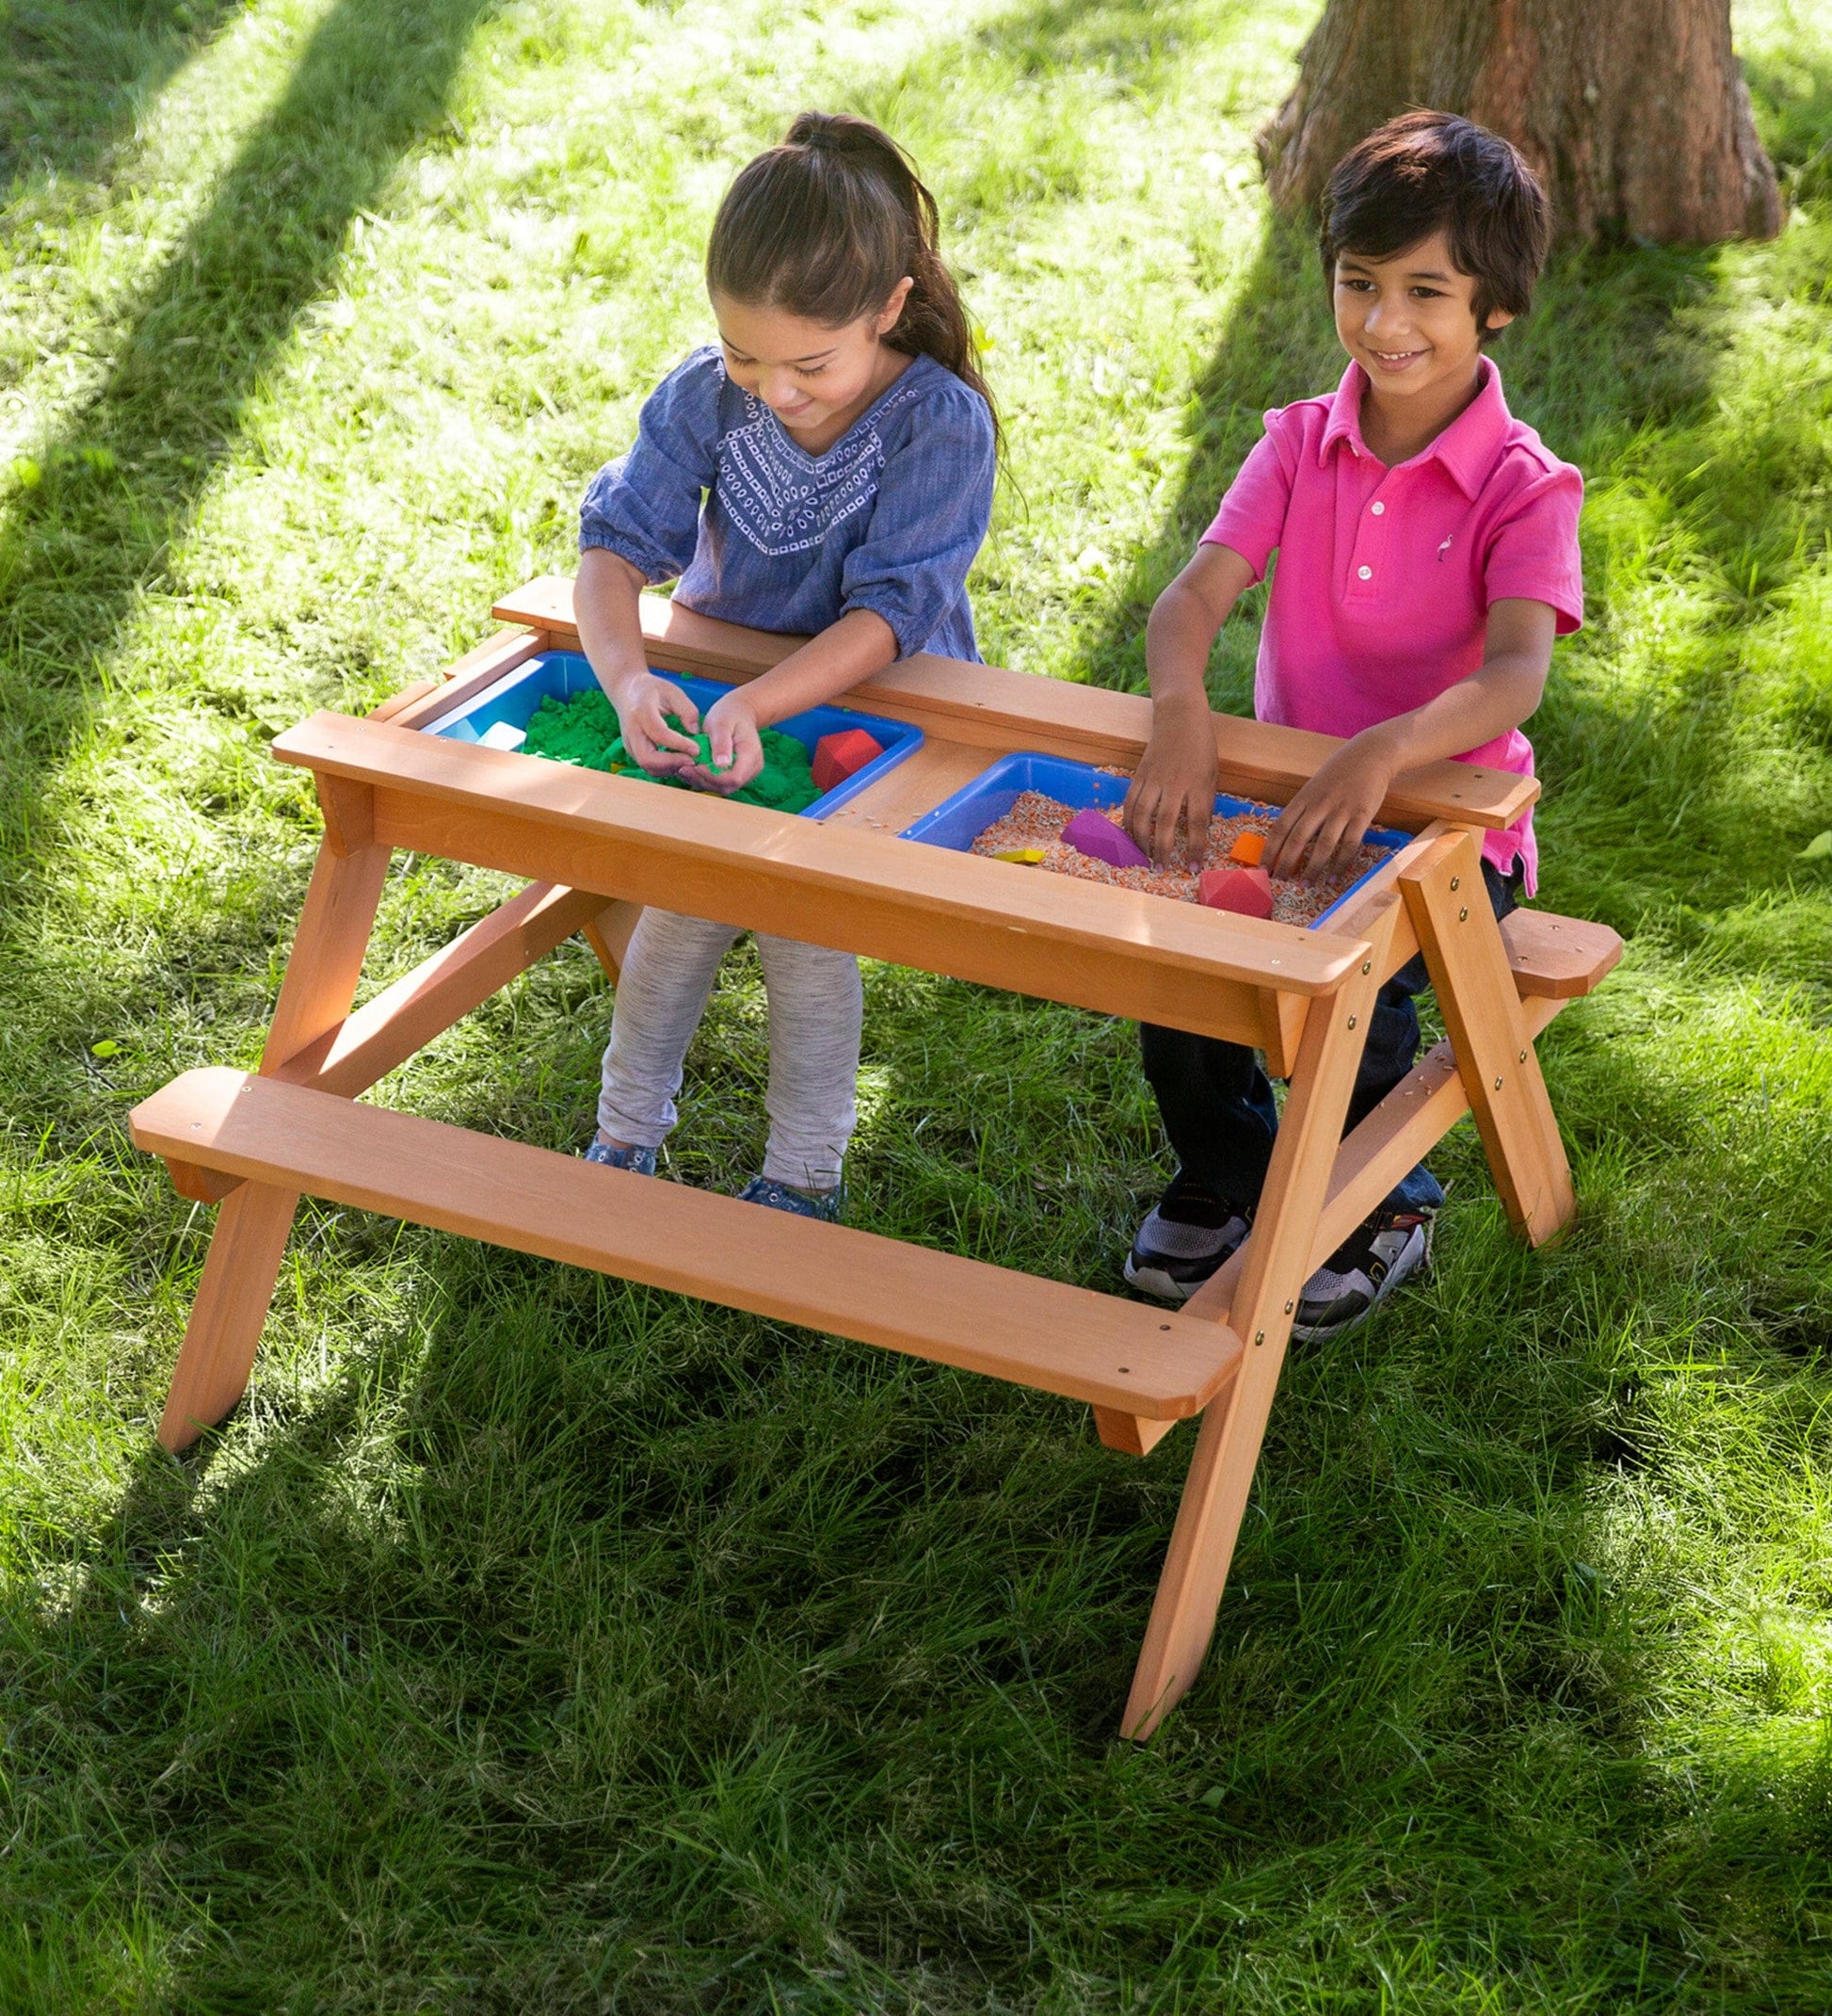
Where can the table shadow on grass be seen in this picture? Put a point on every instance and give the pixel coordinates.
(685, 1652)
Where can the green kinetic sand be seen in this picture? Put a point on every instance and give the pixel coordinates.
(584, 730)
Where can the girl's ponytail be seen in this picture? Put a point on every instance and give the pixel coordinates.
(827, 224)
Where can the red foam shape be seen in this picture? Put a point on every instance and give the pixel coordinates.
(1248, 890)
(839, 756)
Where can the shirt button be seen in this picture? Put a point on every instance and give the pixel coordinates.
(1365, 573)
(1377, 509)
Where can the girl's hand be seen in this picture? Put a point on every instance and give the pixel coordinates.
(1175, 782)
(1328, 817)
(641, 700)
(732, 729)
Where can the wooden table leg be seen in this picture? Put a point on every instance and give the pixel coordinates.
(1258, 1297)
(251, 1225)
(226, 1320)
(608, 935)
(1448, 904)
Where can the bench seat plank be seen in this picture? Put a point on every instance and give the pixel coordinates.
(1114, 1354)
(1557, 958)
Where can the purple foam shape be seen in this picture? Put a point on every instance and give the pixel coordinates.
(1087, 832)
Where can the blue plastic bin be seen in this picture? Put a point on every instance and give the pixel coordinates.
(499, 716)
(958, 821)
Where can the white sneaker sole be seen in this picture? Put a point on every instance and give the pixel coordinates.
(1154, 1281)
(1417, 1251)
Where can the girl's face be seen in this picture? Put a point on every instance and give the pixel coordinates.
(816, 379)
(1409, 321)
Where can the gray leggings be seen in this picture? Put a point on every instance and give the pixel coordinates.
(817, 1007)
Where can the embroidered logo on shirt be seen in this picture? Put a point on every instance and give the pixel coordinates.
(776, 500)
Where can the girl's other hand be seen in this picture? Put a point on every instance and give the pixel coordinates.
(1174, 784)
(1322, 828)
(737, 746)
(641, 702)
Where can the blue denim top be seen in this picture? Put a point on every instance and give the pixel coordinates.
(888, 519)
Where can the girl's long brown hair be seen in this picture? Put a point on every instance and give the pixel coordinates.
(827, 224)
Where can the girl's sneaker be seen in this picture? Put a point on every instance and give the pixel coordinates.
(638, 1161)
(1188, 1235)
(1386, 1249)
(823, 1205)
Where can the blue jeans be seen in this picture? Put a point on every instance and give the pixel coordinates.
(1216, 1101)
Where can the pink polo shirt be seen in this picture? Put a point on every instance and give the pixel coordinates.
(1385, 576)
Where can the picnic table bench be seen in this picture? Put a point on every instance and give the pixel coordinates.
(595, 849)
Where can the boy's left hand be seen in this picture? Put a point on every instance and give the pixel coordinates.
(731, 726)
(1322, 827)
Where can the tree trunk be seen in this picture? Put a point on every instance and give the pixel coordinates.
(1634, 112)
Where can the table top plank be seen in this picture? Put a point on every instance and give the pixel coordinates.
(1007, 710)
(961, 892)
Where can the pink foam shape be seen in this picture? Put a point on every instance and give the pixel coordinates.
(1089, 834)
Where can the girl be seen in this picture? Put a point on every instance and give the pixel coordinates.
(845, 443)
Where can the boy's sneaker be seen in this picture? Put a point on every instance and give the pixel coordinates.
(823, 1204)
(1188, 1235)
(1383, 1251)
(638, 1161)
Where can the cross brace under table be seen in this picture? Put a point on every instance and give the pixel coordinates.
(595, 849)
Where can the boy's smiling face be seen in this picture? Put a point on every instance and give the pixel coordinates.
(1410, 322)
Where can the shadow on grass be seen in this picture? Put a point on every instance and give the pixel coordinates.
(96, 518)
(74, 75)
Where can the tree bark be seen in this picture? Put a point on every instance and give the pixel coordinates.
(1634, 113)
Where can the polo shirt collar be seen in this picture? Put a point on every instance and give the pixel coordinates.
(1466, 449)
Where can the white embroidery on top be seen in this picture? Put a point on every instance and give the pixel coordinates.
(776, 500)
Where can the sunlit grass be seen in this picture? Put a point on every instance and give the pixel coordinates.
(531, 1642)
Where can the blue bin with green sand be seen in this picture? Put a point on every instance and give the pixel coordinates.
(958, 821)
(498, 718)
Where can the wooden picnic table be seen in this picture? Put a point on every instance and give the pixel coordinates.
(596, 847)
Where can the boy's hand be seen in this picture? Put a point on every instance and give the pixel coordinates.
(737, 749)
(1321, 829)
(1175, 782)
(641, 700)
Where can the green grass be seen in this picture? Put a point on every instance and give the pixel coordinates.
(533, 1642)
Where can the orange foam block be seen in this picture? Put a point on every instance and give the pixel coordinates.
(1248, 890)
(838, 757)
(1247, 848)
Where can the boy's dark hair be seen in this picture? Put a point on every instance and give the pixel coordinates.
(826, 224)
(1429, 171)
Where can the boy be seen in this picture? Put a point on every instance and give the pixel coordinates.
(1428, 555)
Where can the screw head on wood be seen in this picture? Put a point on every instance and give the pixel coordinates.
(1259, 1337)
(1289, 1307)
(1498, 1084)
(1367, 965)
(1463, 916)
(1351, 1022)
(1521, 1059)
(1457, 883)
